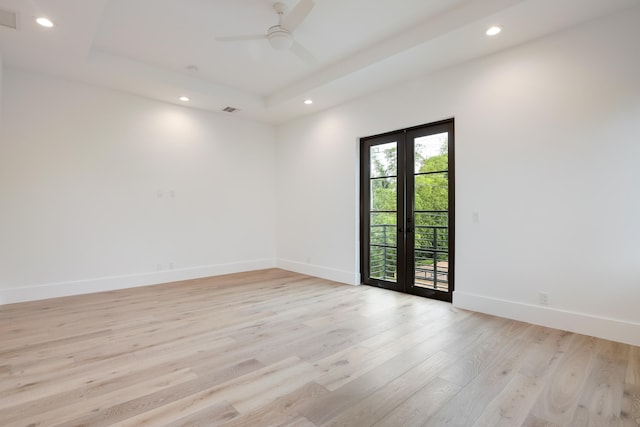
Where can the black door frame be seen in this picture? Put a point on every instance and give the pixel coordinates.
(405, 236)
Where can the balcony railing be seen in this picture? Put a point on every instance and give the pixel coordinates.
(431, 253)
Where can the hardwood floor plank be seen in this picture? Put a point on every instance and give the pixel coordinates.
(513, 404)
(322, 410)
(421, 405)
(212, 415)
(134, 406)
(511, 407)
(483, 388)
(479, 356)
(376, 405)
(558, 401)
(67, 406)
(283, 410)
(533, 421)
(602, 395)
(630, 411)
(545, 352)
(633, 368)
(244, 393)
(75, 379)
(347, 365)
(298, 422)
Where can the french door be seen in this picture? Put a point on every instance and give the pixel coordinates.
(407, 210)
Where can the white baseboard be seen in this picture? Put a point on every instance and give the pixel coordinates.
(335, 275)
(601, 327)
(101, 284)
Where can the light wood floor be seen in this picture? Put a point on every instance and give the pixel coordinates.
(274, 348)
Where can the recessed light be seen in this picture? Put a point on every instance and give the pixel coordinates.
(495, 30)
(308, 102)
(184, 99)
(45, 22)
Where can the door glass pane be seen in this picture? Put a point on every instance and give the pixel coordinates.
(424, 268)
(383, 251)
(383, 229)
(431, 153)
(384, 160)
(383, 194)
(431, 218)
(432, 192)
(432, 270)
(431, 212)
(383, 263)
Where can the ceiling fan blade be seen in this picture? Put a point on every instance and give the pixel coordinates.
(241, 38)
(298, 14)
(301, 52)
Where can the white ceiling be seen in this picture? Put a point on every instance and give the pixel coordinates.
(145, 46)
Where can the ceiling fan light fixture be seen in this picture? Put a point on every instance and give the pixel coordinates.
(280, 39)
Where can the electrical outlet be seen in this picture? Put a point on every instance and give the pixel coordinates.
(543, 298)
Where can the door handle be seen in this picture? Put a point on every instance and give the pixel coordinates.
(409, 229)
(400, 229)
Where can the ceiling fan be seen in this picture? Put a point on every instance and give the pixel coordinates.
(280, 36)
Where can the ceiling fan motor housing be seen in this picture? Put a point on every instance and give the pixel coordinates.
(279, 38)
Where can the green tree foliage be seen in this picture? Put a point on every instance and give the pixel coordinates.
(431, 190)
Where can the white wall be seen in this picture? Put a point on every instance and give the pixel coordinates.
(547, 153)
(1, 81)
(81, 172)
